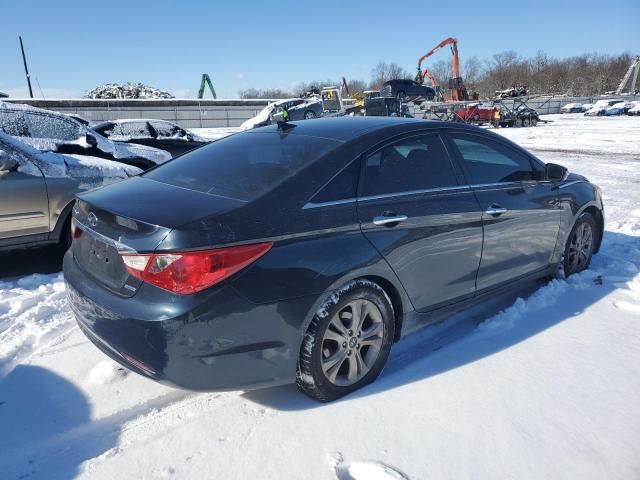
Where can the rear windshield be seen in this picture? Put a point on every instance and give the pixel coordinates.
(242, 166)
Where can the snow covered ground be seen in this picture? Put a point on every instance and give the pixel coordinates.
(547, 388)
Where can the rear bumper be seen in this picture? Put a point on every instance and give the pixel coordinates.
(214, 340)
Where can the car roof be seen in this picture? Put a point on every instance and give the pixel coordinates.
(346, 128)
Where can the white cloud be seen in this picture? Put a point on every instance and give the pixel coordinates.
(240, 76)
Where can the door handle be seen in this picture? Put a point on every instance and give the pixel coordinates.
(384, 220)
(495, 210)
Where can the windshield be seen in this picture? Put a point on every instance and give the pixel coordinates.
(243, 166)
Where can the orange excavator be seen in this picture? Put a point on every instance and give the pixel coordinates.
(458, 90)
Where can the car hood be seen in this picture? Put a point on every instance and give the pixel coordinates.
(91, 172)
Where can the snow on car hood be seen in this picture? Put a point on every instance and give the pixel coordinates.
(91, 172)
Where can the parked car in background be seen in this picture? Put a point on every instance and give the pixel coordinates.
(159, 134)
(304, 256)
(634, 110)
(572, 108)
(586, 106)
(407, 90)
(385, 107)
(57, 132)
(309, 108)
(37, 191)
(265, 116)
(520, 117)
(519, 91)
(476, 112)
(619, 108)
(600, 107)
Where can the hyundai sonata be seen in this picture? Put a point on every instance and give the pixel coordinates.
(303, 251)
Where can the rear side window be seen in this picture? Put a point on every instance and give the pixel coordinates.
(486, 161)
(13, 123)
(47, 126)
(342, 187)
(416, 163)
(243, 166)
(135, 130)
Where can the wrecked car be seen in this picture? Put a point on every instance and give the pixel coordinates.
(50, 131)
(520, 91)
(309, 108)
(159, 134)
(572, 108)
(265, 116)
(407, 89)
(618, 108)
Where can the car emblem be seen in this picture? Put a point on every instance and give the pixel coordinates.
(92, 219)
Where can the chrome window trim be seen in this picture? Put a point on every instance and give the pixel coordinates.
(573, 182)
(328, 204)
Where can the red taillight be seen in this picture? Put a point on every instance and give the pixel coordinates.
(76, 231)
(190, 272)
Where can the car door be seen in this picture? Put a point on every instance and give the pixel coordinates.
(415, 209)
(521, 214)
(24, 206)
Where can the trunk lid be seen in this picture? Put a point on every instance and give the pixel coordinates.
(133, 216)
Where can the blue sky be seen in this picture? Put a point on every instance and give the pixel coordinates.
(75, 45)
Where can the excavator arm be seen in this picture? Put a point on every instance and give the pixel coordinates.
(206, 79)
(444, 43)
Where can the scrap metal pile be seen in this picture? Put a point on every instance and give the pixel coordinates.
(128, 90)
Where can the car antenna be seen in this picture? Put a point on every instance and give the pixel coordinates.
(284, 126)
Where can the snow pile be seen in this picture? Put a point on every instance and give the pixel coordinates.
(128, 90)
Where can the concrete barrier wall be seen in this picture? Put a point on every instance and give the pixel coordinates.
(223, 113)
(186, 113)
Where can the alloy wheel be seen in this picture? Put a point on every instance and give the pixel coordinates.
(352, 342)
(580, 247)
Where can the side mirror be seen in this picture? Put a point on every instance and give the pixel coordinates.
(555, 172)
(91, 140)
(7, 164)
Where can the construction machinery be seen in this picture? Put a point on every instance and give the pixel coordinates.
(458, 90)
(206, 79)
(634, 68)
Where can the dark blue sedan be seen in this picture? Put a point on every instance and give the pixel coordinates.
(302, 252)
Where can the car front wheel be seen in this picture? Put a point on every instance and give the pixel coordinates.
(308, 115)
(347, 343)
(580, 245)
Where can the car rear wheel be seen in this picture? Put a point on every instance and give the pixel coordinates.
(347, 343)
(534, 121)
(580, 245)
(525, 122)
(517, 123)
(309, 114)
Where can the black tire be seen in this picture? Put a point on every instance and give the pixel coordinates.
(526, 122)
(578, 250)
(517, 123)
(534, 121)
(401, 95)
(311, 377)
(309, 114)
(65, 235)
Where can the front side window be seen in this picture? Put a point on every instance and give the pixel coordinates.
(486, 161)
(416, 163)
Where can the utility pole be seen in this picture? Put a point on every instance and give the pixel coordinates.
(26, 70)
